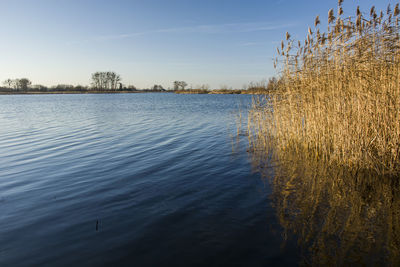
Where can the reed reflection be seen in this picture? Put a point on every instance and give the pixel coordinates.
(338, 216)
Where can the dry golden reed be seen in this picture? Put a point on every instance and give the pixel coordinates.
(339, 94)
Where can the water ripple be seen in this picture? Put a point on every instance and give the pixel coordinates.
(154, 172)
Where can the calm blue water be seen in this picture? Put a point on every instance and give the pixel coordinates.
(131, 179)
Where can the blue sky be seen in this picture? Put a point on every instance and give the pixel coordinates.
(218, 42)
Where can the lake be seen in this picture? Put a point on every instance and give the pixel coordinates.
(132, 179)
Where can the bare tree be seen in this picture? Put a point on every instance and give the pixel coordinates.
(176, 85)
(8, 83)
(183, 85)
(105, 80)
(24, 83)
(157, 87)
(96, 80)
(180, 85)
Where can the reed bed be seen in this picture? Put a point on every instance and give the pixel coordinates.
(338, 99)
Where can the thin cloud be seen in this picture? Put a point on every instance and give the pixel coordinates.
(203, 29)
(199, 29)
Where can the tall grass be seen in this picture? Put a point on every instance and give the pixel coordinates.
(339, 94)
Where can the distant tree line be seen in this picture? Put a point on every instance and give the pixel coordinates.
(17, 84)
(100, 81)
(108, 81)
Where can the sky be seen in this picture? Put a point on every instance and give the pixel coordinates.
(214, 42)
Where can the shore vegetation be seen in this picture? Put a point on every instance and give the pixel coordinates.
(264, 87)
(330, 136)
(338, 98)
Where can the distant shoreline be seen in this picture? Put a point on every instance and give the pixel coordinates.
(75, 92)
(222, 92)
(212, 92)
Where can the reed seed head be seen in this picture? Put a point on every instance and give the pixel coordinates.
(372, 11)
(396, 10)
(317, 21)
(323, 39)
(331, 17)
(340, 2)
(340, 12)
(287, 36)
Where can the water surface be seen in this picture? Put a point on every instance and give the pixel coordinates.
(131, 179)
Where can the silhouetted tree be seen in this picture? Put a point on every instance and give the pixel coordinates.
(105, 80)
(8, 83)
(24, 83)
(131, 88)
(176, 85)
(180, 85)
(157, 87)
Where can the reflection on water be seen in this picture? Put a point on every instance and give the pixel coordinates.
(339, 217)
